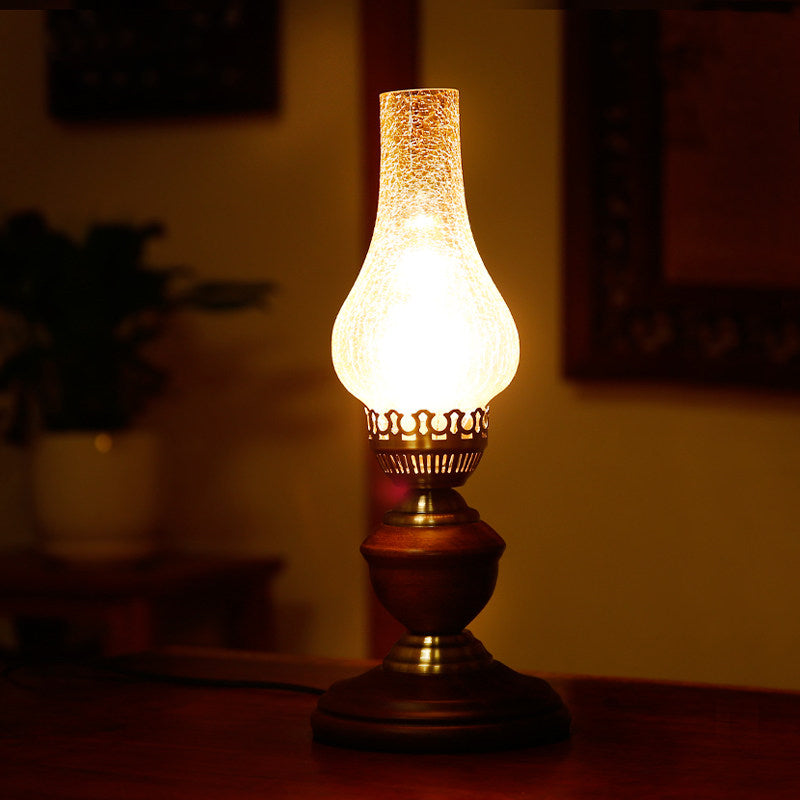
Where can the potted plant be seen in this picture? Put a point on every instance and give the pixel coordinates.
(74, 318)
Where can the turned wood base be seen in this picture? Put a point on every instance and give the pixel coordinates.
(492, 708)
(433, 565)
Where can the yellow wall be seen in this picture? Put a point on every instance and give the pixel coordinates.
(651, 531)
(254, 423)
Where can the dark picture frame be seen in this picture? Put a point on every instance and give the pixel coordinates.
(623, 317)
(158, 62)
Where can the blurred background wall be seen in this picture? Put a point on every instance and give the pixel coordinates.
(651, 530)
(262, 450)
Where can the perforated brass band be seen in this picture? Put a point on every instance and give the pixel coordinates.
(427, 449)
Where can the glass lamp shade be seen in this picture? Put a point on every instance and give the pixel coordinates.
(424, 326)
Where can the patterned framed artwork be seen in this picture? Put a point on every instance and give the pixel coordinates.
(682, 195)
(158, 62)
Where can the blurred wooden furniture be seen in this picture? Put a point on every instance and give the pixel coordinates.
(127, 608)
(73, 732)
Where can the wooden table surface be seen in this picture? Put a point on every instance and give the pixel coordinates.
(88, 733)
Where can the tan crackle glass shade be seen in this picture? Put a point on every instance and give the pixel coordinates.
(424, 326)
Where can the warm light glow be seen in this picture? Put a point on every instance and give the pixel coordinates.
(424, 326)
(103, 443)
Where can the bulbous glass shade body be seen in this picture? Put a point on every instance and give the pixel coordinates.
(424, 326)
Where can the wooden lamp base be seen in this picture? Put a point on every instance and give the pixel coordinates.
(433, 565)
(489, 708)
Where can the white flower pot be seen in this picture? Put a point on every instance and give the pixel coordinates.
(94, 494)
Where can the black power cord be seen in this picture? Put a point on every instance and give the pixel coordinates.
(222, 683)
(94, 669)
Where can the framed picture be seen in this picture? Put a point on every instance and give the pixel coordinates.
(682, 195)
(156, 61)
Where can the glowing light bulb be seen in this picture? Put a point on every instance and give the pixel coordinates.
(424, 326)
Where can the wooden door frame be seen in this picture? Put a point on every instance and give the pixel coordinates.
(390, 59)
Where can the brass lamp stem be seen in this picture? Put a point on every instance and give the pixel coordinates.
(433, 565)
(430, 507)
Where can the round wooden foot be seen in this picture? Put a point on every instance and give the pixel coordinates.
(488, 709)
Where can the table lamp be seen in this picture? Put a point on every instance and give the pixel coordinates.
(425, 341)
